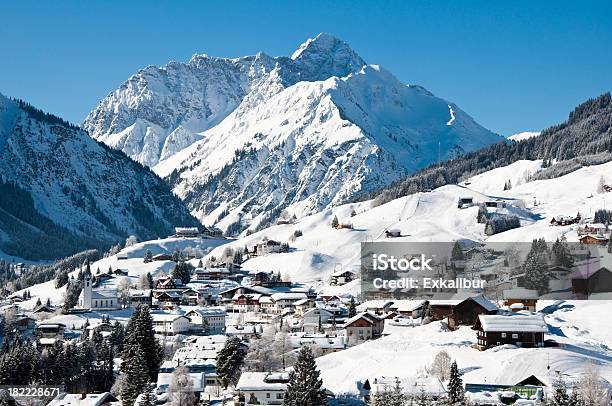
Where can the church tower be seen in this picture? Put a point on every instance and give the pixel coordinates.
(86, 292)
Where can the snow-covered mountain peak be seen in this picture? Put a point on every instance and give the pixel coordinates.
(325, 56)
(243, 139)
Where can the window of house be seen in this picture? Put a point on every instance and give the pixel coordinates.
(267, 395)
(504, 335)
(514, 335)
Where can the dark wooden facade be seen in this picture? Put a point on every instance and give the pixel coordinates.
(599, 281)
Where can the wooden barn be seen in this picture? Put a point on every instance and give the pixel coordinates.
(589, 281)
(467, 311)
(522, 330)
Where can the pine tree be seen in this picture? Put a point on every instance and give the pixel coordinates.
(147, 398)
(352, 310)
(455, 385)
(148, 257)
(230, 361)
(560, 395)
(136, 377)
(182, 271)
(334, 222)
(305, 385)
(536, 267)
(140, 339)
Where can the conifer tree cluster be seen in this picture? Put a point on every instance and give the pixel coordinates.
(141, 356)
(79, 366)
(536, 267)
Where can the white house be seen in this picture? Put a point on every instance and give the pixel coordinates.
(262, 388)
(363, 327)
(170, 324)
(284, 300)
(212, 318)
(313, 317)
(99, 299)
(268, 247)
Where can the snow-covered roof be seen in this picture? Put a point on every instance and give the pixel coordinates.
(521, 293)
(166, 317)
(516, 322)
(374, 304)
(288, 296)
(198, 379)
(76, 399)
(485, 303)
(260, 381)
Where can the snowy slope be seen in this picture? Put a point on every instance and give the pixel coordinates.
(66, 192)
(303, 133)
(408, 351)
(431, 216)
(524, 135)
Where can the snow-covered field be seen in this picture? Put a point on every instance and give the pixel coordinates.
(408, 351)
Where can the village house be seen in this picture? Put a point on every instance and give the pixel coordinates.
(407, 308)
(591, 279)
(262, 388)
(167, 300)
(341, 277)
(521, 299)
(393, 233)
(211, 319)
(140, 297)
(379, 307)
(162, 257)
(206, 274)
(244, 332)
(594, 239)
(324, 343)
(83, 399)
(23, 322)
(190, 297)
(268, 247)
(50, 330)
(467, 311)
(286, 300)
(520, 329)
(465, 202)
(165, 376)
(246, 302)
(313, 318)
(301, 306)
(170, 324)
(212, 231)
(186, 232)
(363, 327)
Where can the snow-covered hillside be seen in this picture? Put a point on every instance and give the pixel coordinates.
(61, 191)
(407, 351)
(524, 135)
(431, 216)
(241, 140)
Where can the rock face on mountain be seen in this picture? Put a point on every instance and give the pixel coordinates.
(241, 140)
(62, 191)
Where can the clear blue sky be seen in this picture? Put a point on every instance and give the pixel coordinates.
(512, 65)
